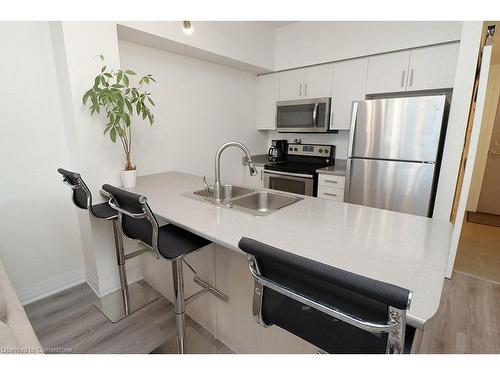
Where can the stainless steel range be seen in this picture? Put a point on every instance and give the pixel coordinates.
(297, 173)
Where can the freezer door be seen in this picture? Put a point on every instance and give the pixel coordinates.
(391, 185)
(397, 129)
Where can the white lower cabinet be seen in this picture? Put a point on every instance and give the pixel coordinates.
(231, 322)
(331, 187)
(256, 181)
(332, 194)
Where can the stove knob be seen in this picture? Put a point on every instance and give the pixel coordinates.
(295, 149)
(290, 149)
(321, 151)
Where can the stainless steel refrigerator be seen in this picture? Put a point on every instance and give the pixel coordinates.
(394, 152)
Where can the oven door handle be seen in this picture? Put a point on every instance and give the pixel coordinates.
(268, 171)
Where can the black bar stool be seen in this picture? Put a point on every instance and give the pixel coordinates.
(335, 310)
(169, 242)
(117, 305)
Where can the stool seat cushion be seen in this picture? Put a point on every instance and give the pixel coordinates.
(174, 241)
(103, 211)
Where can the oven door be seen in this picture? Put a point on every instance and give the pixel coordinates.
(303, 116)
(290, 182)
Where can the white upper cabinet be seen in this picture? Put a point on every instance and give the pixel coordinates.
(318, 81)
(267, 96)
(348, 85)
(305, 83)
(387, 72)
(291, 84)
(433, 67)
(423, 68)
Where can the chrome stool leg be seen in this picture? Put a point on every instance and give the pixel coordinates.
(180, 318)
(120, 257)
(120, 304)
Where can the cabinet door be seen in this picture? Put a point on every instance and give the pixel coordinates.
(256, 181)
(332, 194)
(388, 72)
(318, 81)
(348, 85)
(291, 84)
(433, 67)
(267, 96)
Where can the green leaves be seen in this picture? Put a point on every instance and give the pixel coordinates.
(119, 76)
(113, 93)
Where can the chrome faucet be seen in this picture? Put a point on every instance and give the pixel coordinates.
(217, 184)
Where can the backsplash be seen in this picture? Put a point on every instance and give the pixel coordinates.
(340, 140)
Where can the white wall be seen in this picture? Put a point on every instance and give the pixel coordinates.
(199, 106)
(39, 234)
(307, 43)
(247, 45)
(97, 159)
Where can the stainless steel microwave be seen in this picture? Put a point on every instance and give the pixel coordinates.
(303, 116)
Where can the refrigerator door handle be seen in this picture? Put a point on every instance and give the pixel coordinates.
(347, 186)
(353, 128)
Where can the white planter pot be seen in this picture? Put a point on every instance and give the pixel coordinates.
(128, 178)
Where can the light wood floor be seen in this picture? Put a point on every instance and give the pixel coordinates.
(478, 252)
(468, 321)
(69, 320)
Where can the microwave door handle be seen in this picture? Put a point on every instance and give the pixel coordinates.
(315, 114)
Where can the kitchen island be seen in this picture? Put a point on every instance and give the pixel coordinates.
(401, 249)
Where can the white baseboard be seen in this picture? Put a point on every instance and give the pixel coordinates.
(92, 281)
(69, 279)
(51, 286)
(133, 274)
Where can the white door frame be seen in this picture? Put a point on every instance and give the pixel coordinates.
(471, 156)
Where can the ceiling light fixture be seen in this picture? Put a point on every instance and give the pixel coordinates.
(187, 27)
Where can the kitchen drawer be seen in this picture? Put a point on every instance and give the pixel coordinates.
(330, 180)
(331, 193)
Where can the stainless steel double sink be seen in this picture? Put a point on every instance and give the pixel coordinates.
(255, 202)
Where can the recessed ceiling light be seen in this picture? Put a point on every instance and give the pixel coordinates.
(187, 27)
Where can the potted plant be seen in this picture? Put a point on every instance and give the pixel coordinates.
(113, 94)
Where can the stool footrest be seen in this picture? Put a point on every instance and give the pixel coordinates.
(210, 289)
(136, 253)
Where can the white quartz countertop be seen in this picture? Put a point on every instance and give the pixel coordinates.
(401, 249)
(339, 169)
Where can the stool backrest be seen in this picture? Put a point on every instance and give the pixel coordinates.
(335, 310)
(82, 198)
(137, 221)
